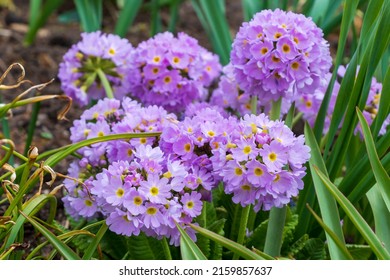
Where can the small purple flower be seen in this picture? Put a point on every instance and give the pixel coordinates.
(156, 190)
(192, 204)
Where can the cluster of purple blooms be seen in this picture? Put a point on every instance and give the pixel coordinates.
(146, 195)
(261, 162)
(309, 104)
(173, 71)
(107, 52)
(133, 184)
(279, 54)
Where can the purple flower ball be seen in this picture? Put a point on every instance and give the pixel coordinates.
(78, 72)
(279, 54)
(173, 71)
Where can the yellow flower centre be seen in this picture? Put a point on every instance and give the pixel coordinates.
(111, 51)
(308, 104)
(296, 40)
(238, 171)
(167, 175)
(155, 70)
(277, 75)
(258, 171)
(272, 156)
(211, 133)
(156, 59)
(176, 60)
(247, 149)
(229, 157)
(231, 145)
(277, 35)
(154, 191)
(187, 147)
(190, 204)
(129, 152)
(167, 79)
(86, 132)
(277, 178)
(208, 68)
(259, 35)
(264, 50)
(151, 210)
(88, 203)
(137, 200)
(100, 134)
(286, 48)
(246, 187)
(295, 65)
(142, 140)
(120, 192)
(275, 59)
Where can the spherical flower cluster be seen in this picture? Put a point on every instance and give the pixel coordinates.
(279, 54)
(262, 164)
(309, 104)
(148, 194)
(111, 116)
(194, 140)
(108, 53)
(173, 71)
(236, 101)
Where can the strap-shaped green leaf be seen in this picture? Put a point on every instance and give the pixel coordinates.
(381, 176)
(359, 222)
(62, 248)
(188, 248)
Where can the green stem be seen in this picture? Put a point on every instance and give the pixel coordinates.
(275, 109)
(105, 83)
(242, 230)
(273, 239)
(32, 126)
(277, 216)
(167, 251)
(254, 105)
(6, 132)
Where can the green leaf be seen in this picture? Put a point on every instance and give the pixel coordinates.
(257, 239)
(38, 17)
(30, 209)
(339, 243)
(142, 247)
(381, 215)
(90, 13)
(211, 14)
(359, 252)
(365, 230)
(384, 104)
(216, 248)
(327, 203)
(314, 249)
(188, 248)
(95, 242)
(62, 248)
(127, 16)
(381, 176)
(229, 244)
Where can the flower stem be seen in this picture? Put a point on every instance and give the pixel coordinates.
(167, 251)
(105, 83)
(274, 114)
(254, 105)
(273, 239)
(242, 230)
(277, 216)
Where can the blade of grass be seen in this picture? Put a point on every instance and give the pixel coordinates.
(173, 15)
(31, 126)
(212, 15)
(39, 18)
(381, 215)
(327, 203)
(359, 222)
(33, 207)
(62, 248)
(90, 13)
(384, 105)
(347, 18)
(95, 242)
(155, 24)
(127, 16)
(189, 250)
(342, 246)
(381, 176)
(239, 249)
(250, 7)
